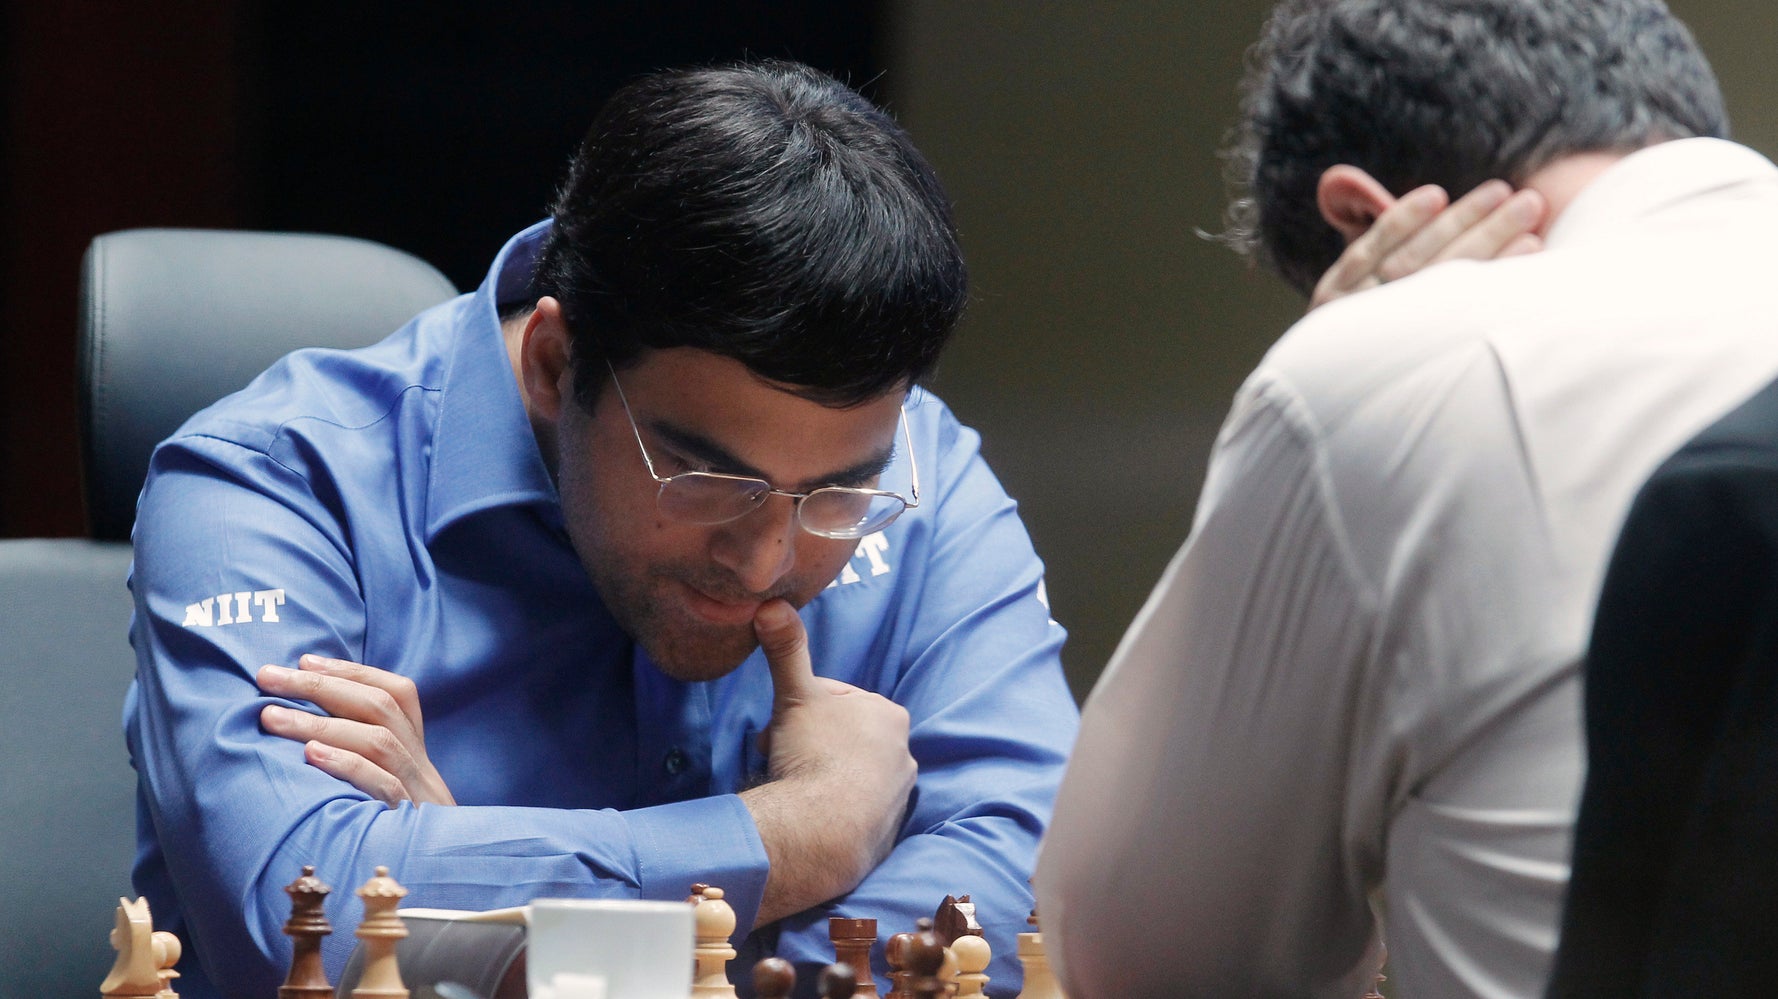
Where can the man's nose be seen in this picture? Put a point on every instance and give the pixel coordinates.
(760, 547)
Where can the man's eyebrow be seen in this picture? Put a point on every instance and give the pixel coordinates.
(702, 449)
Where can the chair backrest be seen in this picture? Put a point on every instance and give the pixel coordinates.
(173, 319)
(67, 793)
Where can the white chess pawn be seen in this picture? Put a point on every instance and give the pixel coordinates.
(973, 955)
(166, 954)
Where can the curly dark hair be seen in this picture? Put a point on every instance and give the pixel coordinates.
(1448, 92)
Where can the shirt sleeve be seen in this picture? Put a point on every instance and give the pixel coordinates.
(992, 722)
(237, 814)
(1202, 841)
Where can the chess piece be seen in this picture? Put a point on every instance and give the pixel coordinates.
(896, 953)
(852, 940)
(166, 949)
(1040, 982)
(379, 933)
(773, 978)
(135, 974)
(714, 922)
(973, 954)
(955, 918)
(306, 926)
(925, 955)
(838, 981)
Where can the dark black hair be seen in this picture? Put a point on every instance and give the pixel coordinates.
(1448, 92)
(765, 212)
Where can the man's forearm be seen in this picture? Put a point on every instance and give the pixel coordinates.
(816, 854)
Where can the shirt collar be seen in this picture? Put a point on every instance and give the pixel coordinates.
(1652, 178)
(484, 451)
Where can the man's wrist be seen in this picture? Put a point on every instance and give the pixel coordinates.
(813, 853)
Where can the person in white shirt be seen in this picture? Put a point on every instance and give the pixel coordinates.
(1350, 709)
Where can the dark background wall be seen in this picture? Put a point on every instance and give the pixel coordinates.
(1078, 139)
(440, 128)
(1107, 339)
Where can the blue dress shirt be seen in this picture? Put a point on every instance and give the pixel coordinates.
(390, 506)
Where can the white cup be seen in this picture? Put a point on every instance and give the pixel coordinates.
(643, 950)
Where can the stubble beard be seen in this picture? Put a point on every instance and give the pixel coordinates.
(646, 604)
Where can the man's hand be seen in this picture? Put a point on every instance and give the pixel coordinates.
(840, 775)
(371, 735)
(1419, 230)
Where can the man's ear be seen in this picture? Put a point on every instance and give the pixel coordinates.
(544, 367)
(1350, 200)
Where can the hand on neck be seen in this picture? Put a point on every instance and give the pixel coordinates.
(1561, 180)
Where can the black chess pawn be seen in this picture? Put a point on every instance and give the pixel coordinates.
(925, 956)
(838, 981)
(895, 951)
(773, 978)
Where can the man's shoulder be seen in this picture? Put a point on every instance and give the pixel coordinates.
(928, 414)
(1399, 342)
(313, 388)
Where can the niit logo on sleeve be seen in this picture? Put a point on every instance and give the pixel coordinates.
(234, 608)
(871, 548)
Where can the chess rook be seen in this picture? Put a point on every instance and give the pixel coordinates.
(1040, 982)
(852, 941)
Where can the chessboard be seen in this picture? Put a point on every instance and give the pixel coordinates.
(481, 956)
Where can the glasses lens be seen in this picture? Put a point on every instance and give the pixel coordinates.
(848, 513)
(707, 498)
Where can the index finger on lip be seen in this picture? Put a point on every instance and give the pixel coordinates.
(786, 645)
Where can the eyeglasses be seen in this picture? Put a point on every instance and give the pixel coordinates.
(828, 512)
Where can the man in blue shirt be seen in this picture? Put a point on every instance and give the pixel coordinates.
(644, 564)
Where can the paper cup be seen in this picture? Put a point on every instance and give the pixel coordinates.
(643, 950)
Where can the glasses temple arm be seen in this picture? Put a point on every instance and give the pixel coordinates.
(913, 466)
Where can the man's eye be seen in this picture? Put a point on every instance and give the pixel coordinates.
(680, 463)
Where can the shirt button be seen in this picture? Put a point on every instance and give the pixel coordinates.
(675, 762)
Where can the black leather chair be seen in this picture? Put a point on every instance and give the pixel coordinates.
(1674, 886)
(171, 320)
(67, 793)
